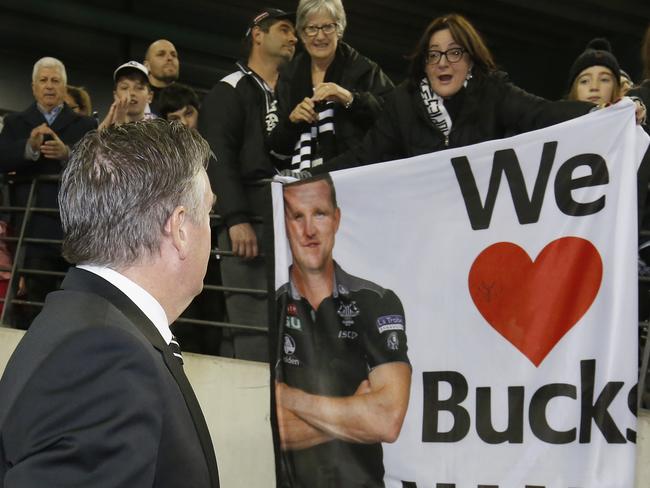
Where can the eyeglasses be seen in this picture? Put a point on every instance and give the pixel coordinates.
(328, 29)
(453, 55)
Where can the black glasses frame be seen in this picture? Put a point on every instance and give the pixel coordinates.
(455, 52)
(328, 29)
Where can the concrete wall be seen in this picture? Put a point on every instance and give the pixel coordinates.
(234, 396)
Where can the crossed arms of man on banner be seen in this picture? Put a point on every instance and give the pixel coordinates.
(373, 414)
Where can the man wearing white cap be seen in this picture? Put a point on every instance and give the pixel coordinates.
(132, 93)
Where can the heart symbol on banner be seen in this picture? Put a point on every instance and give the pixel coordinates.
(534, 304)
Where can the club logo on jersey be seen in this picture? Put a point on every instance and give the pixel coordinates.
(293, 323)
(348, 311)
(392, 342)
(289, 344)
(386, 323)
(272, 118)
(292, 309)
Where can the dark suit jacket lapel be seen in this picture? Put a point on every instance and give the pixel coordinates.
(33, 116)
(81, 280)
(65, 117)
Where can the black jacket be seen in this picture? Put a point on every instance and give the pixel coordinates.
(491, 107)
(354, 72)
(92, 396)
(642, 91)
(643, 176)
(69, 127)
(232, 120)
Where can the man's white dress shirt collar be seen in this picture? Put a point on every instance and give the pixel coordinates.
(138, 295)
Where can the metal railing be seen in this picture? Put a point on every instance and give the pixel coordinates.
(21, 240)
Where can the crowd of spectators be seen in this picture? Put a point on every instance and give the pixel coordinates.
(297, 112)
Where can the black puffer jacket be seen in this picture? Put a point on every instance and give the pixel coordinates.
(354, 72)
(643, 176)
(490, 107)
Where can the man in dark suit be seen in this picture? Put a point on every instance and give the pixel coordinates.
(37, 142)
(95, 394)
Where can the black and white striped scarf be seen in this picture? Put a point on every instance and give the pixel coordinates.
(435, 107)
(314, 143)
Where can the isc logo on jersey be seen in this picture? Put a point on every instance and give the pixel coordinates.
(348, 334)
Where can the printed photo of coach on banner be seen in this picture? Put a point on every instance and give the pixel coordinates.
(343, 375)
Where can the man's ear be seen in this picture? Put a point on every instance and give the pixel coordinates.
(257, 34)
(337, 218)
(147, 65)
(176, 230)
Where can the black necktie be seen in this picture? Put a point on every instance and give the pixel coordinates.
(176, 349)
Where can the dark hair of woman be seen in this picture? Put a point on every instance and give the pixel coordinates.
(464, 34)
(81, 98)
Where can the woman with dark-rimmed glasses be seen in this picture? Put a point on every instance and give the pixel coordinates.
(329, 95)
(454, 96)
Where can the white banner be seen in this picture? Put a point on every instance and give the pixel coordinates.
(516, 264)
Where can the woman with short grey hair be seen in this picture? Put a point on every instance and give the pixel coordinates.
(333, 7)
(329, 95)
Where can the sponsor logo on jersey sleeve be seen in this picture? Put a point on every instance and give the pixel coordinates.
(387, 323)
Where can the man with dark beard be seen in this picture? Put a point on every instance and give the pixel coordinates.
(236, 116)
